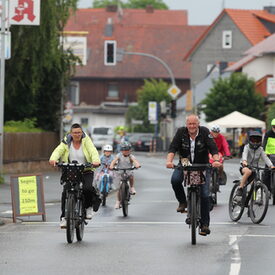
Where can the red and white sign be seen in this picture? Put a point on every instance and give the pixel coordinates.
(24, 12)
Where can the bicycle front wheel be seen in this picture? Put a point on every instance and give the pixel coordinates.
(80, 220)
(236, 205)
(70, 218)
(104, 191)
(193, 218)
(258, 203)
(124, 190)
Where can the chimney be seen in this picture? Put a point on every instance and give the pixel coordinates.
(149, 9)
(111, 8)
(270, 9)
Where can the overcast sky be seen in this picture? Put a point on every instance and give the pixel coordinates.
(203, 12)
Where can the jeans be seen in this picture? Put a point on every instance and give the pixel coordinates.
(91, 196)
(177, 180)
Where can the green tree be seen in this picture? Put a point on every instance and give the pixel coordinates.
(236, 93)
(38, 68)
(132, 4)
(270, 115)
(152, 90)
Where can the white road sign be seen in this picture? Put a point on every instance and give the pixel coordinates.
(174, 91)
(7, 14)
(271, 86)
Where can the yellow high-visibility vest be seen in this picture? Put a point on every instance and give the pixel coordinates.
(270, 146)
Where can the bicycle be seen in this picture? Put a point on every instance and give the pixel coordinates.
(124, 189)
(105, 185)
(193, 196)
(272, 179)
(214, 185)
(255, 197)
(74, 208)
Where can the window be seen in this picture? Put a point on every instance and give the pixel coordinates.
(227, 39)
(73, 92)
(110, 53)
(113, 91)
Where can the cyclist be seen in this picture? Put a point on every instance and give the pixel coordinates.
(105, 161)
(77, 146)
(125, 159)
(252, 153)
(223, 148)
(269, 148)
(195, 143)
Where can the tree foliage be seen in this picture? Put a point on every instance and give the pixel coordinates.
(132, 4)
(152, 90)
(236, 93)
(38, 68)
(270, 115)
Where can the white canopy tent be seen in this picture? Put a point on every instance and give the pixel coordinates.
(237, 120)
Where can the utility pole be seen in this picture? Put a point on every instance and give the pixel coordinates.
(2, 83)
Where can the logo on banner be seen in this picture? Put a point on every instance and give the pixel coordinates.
(25, 12)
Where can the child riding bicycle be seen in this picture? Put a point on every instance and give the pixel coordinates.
(125, 159)
(105, 161)
(252, 153)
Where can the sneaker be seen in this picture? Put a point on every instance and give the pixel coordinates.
(239, 192)
(63, 223)
(117, 205)
(188, 221)
(182, 208)
(204, 230)
(89, 213)
(133, 191)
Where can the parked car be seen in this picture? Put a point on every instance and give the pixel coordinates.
(141, 141)
(102, 136)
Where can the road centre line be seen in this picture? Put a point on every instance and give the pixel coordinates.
(235, 266)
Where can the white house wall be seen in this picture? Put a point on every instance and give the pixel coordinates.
(100, 120)
(260, 67)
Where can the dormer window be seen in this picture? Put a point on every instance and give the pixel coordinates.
(227, 39)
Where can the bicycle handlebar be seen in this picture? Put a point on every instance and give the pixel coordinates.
(124, 169)
(193, 167)
(79, 165)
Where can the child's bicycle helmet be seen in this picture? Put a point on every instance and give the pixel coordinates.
(108, 147)
(255, 139)
(125, 146)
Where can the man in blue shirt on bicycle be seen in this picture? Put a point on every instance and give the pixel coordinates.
(193, 142)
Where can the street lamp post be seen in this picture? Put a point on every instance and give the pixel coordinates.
(2, 83)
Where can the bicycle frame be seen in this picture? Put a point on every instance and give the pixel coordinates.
(124, 189)
(74, 206)
(255, 196)
(193, 197)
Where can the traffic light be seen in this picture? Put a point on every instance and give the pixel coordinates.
(173, 109)
(110, 53)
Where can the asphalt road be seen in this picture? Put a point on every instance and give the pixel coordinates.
(153, 239)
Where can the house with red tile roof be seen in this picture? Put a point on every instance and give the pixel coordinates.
(233, 32)
(259, 63)
(101, 94)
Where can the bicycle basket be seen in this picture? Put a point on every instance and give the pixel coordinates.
(194, 177)
(71, 175)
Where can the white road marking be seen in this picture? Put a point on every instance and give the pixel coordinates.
(235, 266)
(120, 222)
